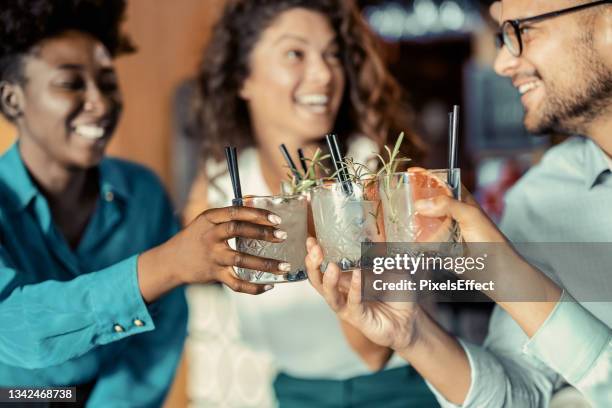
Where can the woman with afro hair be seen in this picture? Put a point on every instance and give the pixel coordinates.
(91, 264)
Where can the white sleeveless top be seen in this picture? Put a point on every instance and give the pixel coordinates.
(238, 343)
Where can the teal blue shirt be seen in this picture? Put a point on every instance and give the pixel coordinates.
(73, 316)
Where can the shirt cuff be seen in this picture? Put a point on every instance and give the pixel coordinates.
(118, 303)
(583, 336)
(483, 368)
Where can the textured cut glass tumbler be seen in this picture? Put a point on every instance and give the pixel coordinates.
(398, 193)
(293, 212)
(344, 217)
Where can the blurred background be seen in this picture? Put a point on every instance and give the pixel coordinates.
(441, 51)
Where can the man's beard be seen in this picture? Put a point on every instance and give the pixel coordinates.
(571, 111)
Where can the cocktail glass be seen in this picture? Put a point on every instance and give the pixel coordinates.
(399, 191)
(293, 212)
(345, 215)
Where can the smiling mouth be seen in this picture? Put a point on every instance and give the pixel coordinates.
(316, 103)
(528, 87)
(90, 132)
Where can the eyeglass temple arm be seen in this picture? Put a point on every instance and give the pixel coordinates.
(561, 12)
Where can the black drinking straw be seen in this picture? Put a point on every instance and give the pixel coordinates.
(343, 171)
(332, 151)
(290, 162)
(341, 174)
(453, 144)
(232, 167)
(236, 175)
(450, 142)
(303, 161)
(455, 134)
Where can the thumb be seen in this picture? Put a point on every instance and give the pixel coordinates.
(442, 206)
(467, 197)
(475, 225)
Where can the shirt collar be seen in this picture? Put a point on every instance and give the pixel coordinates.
(596, 162)
(17, 188)
(609, 161)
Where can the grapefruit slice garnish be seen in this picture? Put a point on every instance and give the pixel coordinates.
(370, 189)
(425, 185)
(372, 193)
(248, 200)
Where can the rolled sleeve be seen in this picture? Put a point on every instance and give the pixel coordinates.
(484, 370)
(501, 374)
(585, 339)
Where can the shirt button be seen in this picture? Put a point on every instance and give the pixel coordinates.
(109, 196)
(138, 322)
(118, 328)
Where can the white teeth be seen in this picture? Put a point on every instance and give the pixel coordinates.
(312, 99)
(523, 89)
(90, 131)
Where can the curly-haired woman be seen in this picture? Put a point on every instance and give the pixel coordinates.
(84, 300)
(289, 71)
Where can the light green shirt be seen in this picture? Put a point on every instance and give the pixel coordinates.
(579, 347)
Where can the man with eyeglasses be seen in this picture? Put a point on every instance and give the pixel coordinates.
(558, 55)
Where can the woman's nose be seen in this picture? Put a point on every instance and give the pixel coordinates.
(97, 102)
(320, 71)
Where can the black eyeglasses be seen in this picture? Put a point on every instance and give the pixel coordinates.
(510, 33)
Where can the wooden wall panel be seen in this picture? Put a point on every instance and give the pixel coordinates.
(170, 36)
(7, 134)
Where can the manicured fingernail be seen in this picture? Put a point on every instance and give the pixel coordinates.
(284, 266)
(268, 287)
(280, 234)
(424, 205)
(274, 219)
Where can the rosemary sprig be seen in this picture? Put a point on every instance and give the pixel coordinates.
(310, 177)
(389, 167)
(359, 172)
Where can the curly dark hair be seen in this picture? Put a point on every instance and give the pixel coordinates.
(373, 103)
(24, 23)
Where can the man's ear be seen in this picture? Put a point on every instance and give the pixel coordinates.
(11, 99)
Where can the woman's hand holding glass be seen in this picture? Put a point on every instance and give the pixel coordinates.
(200, 253)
